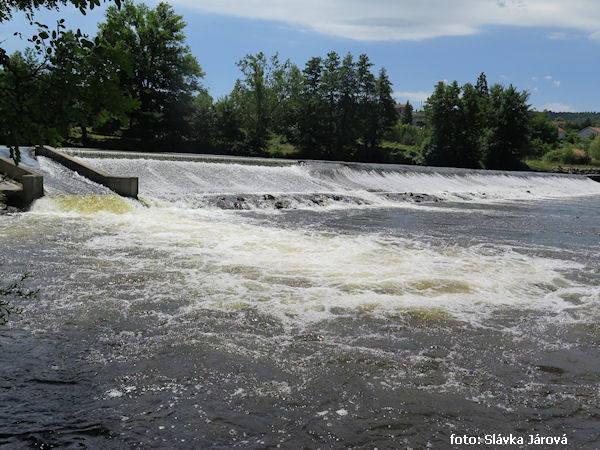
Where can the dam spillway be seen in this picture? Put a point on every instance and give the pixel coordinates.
(313, 304)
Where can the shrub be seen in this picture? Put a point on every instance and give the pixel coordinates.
(567, 156)
(594, 148)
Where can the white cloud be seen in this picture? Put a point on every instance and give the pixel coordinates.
(548, 77)
(534, 78)
(415, 98)
(556, 83)
(380, 20)
(557, 36)
(595, 36)
(557, 107)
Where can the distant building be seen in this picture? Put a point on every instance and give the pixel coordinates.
(561, 133)
(418, 117)
(589, 132)
(399, 109)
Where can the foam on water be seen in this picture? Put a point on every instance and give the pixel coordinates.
(301, 276)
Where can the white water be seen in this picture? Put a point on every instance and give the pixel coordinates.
(191, 182)
(223, 261)
(300, 275)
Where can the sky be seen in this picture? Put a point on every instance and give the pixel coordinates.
(549, 48)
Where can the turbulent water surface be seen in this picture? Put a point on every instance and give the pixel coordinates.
(306, 305)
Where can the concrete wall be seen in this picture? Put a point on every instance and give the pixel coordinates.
(32, 183)
(125, 186)
(226, 159)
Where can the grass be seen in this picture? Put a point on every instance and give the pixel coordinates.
(279, 147)
(539, 165)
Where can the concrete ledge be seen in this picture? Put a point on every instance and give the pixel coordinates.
(32, 184)
(125, 186)
(226, 159)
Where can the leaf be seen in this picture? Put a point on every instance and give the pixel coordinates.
(43, 35)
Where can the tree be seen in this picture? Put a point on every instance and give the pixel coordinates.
(22, 78)
(367, 106)
(312, 129)
(542, 133)
(594, 149)
(164, 75)
(443, 109)
(482, 86)
(229, 137)
(330, 92)
(473, 120)
(92, 74)
(259, 93)
(508, 138)
(474, 125)
(31, 108)
(386, 112)
(8, 6)
(407, 114)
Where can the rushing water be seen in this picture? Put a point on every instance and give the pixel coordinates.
(311, 305)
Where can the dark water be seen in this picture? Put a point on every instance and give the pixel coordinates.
(337, 326)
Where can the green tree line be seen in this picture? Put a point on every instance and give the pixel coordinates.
(138, 80)
(137, 85)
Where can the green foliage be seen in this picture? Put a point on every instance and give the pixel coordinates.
(574, 119)
(567, 155)
(25, 78)
(163, 75)
(407, 114)
(474, 126)
(7, 7)
(454, 122)
(508, 139)
(543, 134)
(261, 96)
(229, 137)
(594, 148)
(36, 102)
(407, 134)
(344, 110)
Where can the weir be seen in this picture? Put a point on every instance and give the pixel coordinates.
(245, 183)
(122, 185)
(230, 182)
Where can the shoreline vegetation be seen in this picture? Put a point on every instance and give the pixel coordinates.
(136, 86)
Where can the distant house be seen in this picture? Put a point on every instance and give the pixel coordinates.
(589, 132)
(561, 133)
(399, 109)
(418, 117)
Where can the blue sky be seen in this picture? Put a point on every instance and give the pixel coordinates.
(548, 47)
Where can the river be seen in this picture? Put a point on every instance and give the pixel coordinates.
(312, 305)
